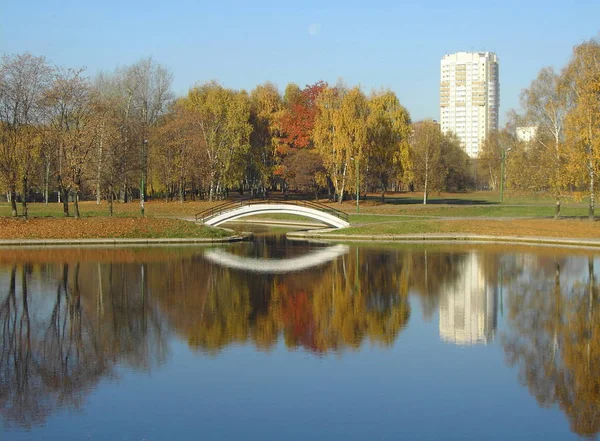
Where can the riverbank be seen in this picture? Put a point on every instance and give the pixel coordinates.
(106, 230)
(573, 232)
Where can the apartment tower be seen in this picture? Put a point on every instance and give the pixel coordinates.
(469, 97)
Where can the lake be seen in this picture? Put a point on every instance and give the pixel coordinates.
(277, 339)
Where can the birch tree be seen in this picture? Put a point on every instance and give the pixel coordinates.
(266, 106)
(221, 118)
(388, 146)
(340, 135)
(583, 75)
(427, 166)
(546, 104)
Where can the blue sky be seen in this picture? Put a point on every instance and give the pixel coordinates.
(390, 44)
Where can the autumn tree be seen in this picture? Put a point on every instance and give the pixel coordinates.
(583, 128)
(490, 159)
(296, 123)
(387, 150)
(70, 103)
(305, 170)
(266, 107)
(457, 164)
(428, 171)
(341, 135)
(148, 90)
(23, 82)
(546, 103)
(177, 151)
(222, 122)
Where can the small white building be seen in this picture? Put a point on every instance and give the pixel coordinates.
(526, 133)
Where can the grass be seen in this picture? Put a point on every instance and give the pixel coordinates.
(474, 210)
(92, 228)
(573, 228)
(402, 213)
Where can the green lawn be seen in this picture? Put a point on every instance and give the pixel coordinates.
(472, 204)
(478, 210)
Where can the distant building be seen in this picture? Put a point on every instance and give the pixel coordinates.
(526, 134)
(469, 97)
(468, 310)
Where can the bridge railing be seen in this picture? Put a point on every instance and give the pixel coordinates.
(209, 213)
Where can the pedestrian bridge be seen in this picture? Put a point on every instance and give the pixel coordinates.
(233, 210)
(276, 266)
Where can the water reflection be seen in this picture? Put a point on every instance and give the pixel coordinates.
(317, 257)
(66, 326)
(553, 337)
(468, 305)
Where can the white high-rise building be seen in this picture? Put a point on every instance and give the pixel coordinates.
(469, 97)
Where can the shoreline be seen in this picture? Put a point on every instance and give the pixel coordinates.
(445, 238)
(124, 241)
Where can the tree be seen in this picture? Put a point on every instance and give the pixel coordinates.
(546, 104)
(388, 147)
(24, 80)
(305, 170)
(428, 171)
(221, 120)
(266, 106)
(294, 124)
(490, 159)
(457, 164)
(148, 87)
(70, 103)
(341, 135)
(178, 149)
(297, 122)
(583, 129)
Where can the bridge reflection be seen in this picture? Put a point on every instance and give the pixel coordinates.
(276, 266)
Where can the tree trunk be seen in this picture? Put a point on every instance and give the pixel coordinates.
(46, 181)
(557, 210)
(111, 194)
(592, 207)
(211, 191)
(99, 171)
(13, 202)
(76, 201)
(65, 200)
(426, 182)
(343, 186)
(24, 199)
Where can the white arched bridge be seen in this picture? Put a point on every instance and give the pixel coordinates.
(233, 210)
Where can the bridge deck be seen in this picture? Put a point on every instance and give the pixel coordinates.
(247, 207)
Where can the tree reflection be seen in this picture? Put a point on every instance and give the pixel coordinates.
(327, 309)
(57, 345)
(553, 338)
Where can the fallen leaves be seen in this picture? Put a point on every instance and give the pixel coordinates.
(102, 227)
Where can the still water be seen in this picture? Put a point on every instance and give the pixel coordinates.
(285, 340)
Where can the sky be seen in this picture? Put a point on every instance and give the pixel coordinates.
(394, 45)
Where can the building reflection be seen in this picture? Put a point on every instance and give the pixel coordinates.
(468, 305)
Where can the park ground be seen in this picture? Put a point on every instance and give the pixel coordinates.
(464, 213)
